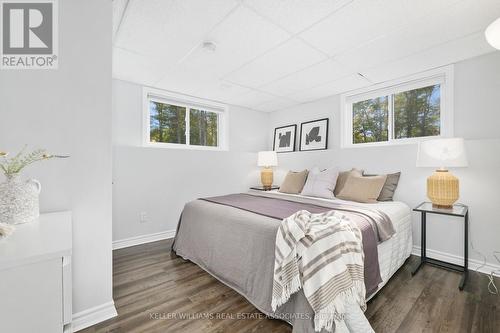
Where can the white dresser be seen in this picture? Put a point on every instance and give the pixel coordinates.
(35, 276)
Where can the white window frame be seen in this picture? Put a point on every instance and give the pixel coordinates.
(442, 76)
(189, 102)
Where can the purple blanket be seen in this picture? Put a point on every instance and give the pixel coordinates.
(372, 223)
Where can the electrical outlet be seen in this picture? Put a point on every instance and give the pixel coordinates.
(143, 217)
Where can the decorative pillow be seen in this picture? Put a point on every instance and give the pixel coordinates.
(342, 178)
(362, 189)
(294, 182)
(390, 186)
(320, 183)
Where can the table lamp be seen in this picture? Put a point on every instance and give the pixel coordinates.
(492, 34)
(442, 186)
(267, 159)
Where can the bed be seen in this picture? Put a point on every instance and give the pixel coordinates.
(237, 247)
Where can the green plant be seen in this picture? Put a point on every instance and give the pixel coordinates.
(14, 165)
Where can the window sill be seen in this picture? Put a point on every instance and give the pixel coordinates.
(181, 147)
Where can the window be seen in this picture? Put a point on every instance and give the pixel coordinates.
(404, 112)
(417, 112)
(203, 128)
(167, 123)
(370, 120)
(178, 121)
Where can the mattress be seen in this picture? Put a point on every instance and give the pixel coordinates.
(392, 253)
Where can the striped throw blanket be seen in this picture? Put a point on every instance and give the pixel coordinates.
(323, 254)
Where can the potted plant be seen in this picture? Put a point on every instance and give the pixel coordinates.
(19, 199)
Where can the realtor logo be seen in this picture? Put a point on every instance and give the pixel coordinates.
(28, 34)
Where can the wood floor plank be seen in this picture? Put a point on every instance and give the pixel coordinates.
(157, 292)
(427, 311)
(401, 296)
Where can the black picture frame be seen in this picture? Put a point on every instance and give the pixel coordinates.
(326, 135)
(294, 138)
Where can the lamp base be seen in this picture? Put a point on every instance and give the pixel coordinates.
(442, 189)
(266, 177)
(442, 206)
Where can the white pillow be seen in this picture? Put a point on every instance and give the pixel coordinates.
(321, 183)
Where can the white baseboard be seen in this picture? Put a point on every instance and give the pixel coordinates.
(138, 240)
(93, 316)
(457, 260)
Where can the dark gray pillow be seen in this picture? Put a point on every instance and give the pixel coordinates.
(390, 185)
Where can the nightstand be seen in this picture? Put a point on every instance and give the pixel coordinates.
(261, 188)
(458, 211)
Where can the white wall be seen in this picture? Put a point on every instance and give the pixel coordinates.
(68, 111)
(159, 181)
(476, 117)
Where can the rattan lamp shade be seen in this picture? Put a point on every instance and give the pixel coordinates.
(442, 187)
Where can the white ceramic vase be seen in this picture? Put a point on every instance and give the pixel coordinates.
(19, 200)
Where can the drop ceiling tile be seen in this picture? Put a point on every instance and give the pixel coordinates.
(199, 83)
(210, 89)
(462, 19)
(192, 83)
(345, 84)
(241, 37)
(275, 105)
(422, 8)
(283, 60)
(251, 99)
(221, 91)
(307, 78)
(179, 83)
(296, 15)
(354, 24)
(136, 68)
(444, 54)
(169, 28)
(365, 20)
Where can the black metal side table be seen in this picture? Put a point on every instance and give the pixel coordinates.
(457, 210)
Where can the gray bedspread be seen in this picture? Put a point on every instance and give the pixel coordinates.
(236, 246)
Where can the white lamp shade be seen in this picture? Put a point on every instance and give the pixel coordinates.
(492, 34)
(443, 153)
(267, 159)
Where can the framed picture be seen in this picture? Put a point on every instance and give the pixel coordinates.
(284, 138)
(314, 135)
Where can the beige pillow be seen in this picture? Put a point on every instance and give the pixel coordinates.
(362, 189)
(294, 182)
(390, 186)
(342, 178)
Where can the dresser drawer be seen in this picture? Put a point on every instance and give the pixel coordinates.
(32, 297)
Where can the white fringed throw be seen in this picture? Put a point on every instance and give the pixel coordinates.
(323, 254)
(6, 230)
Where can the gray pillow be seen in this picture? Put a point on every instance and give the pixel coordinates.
(294, 182)
(390, 186)
(342, 178)
(320, 183)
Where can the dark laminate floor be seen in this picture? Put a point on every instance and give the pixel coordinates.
(150, 283)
